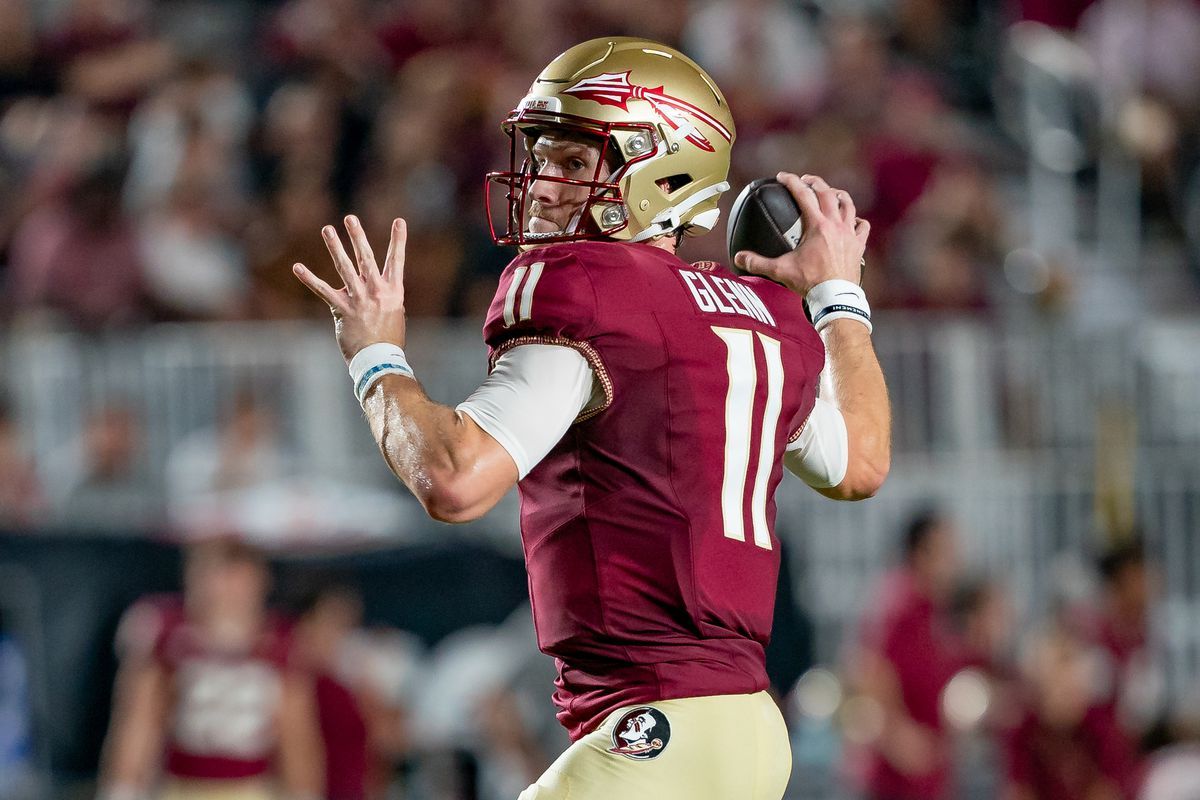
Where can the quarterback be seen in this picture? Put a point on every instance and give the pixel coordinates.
(645, 408)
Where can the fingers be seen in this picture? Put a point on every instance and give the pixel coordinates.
(755, 263)
(862, 229)
(341, 261)
(814, 194)
(846, 206)
(393, 262)
(803, 194)
(825, 195)
(364, 256)
(319, 287)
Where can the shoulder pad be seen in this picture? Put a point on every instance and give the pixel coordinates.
(544, 295)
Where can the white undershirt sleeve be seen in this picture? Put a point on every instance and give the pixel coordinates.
(821, 454)
(530, 399)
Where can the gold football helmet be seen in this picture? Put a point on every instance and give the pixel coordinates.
(662, 124)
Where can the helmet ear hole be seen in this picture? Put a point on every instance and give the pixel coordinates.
(674, 183)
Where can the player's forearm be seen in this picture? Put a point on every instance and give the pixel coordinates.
(130, 762)
(301, 761)
(135, 737)
(860, 392)
(434, 450)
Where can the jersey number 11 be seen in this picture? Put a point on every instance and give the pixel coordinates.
(739, 424)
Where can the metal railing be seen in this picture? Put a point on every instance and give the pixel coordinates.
(1029, 436)
(958, 384)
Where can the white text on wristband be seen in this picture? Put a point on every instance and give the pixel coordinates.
(837, 299)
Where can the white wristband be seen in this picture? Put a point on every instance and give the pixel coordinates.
(373, 362)
(837, 299)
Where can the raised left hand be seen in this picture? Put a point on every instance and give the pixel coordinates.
(369, 308)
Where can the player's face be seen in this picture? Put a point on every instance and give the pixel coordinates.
(553, 205)
(1063, 677)
(220, 587)
(939, 562)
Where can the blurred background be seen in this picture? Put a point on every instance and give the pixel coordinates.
(1016, 615)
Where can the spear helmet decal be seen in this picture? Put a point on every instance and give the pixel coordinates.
(615, 89)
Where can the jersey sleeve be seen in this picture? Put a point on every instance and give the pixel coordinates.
(546, 296)
(803, 387)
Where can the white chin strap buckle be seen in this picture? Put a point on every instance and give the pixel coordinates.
(671, 218)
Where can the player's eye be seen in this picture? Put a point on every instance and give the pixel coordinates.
(576, 164)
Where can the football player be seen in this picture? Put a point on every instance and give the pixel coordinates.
(646, 409)
(206, 705)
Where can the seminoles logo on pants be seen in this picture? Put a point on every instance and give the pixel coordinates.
(641, 734)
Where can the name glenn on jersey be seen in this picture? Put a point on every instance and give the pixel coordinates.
(717, 295)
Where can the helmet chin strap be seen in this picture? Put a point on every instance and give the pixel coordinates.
(573, 223)
(671, 218)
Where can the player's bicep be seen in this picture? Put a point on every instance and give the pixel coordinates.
(820, 456)
(532, 396)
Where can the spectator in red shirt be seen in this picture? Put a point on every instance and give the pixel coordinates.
(78, 257)
(1119, 631)
(206, 704)
(325, 621)
(1066, 748)
(22, 500)
(104, 53)
(361, 733)
(906, 657)
(983, 616)
(984, 621)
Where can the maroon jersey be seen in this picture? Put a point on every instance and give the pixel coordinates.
(1070, 763)
(649, 529)
(903, 626)
(225, 704)
(344, 734)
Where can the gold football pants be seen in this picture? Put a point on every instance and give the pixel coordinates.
(724, 747)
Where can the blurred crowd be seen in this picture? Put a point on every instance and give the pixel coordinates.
(171, 160)
(946, 692)
(947, 689)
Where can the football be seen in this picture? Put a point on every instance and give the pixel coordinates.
(764, 219)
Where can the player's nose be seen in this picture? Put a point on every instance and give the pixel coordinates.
(546, 192)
